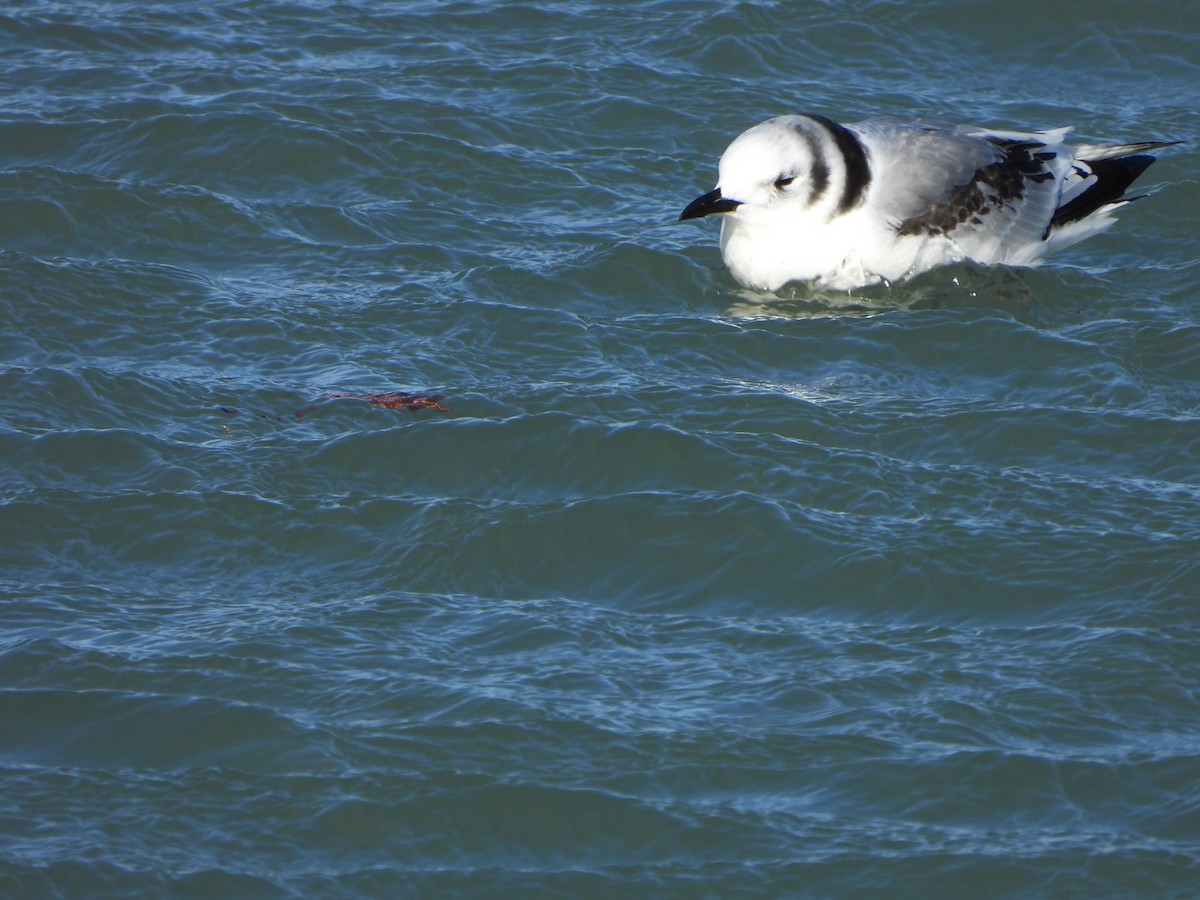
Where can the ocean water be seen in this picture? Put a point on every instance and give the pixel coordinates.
(683, 590)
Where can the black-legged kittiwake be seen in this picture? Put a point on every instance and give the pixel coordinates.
(803, 198)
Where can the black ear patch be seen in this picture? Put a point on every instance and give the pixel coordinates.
(818, 176)
(854, 155)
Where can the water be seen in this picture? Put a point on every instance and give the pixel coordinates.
(688, 592)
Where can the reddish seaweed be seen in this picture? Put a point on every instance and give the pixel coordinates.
(385, 400)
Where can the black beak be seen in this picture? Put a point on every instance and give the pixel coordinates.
(710, 203)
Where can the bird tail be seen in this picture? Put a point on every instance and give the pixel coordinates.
(1093, 152)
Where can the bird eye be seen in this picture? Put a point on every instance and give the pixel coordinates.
(781, 183)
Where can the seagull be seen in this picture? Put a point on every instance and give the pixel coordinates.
(802, 198)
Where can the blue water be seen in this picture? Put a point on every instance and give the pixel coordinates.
(688, 591)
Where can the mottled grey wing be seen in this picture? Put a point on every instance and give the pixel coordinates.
(987, 191)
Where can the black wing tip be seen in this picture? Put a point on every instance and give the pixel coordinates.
(1113, 178)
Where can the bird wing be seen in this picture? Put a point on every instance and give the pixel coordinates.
(989, 192)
